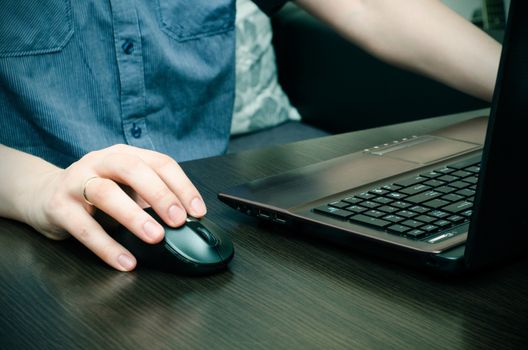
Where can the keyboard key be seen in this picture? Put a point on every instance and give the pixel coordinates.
(458, 207)
(406, 214)
(422, 197)
(445, 170)
(356, 209)
(445, 189)
(459, 184)
(393, 218)
(456, 219)
(434, 183)
(475, 169)
(416, 233)
(467, 213)
(425, 218)
(379, 191)
(339, 204)
(415, 189)
(370, 204)
(374, 213)
(412, 223)
(353, 200)
(392, 187)
(366, 195)
(382, 200)
(452, 197)
(447, 178)
(429, 228)
(419, 209)
(410, 181)
(461, 173)
(360, 218)
(436, 203)
(396, 195)
(399, 229)
(466, 192)
(438, 214)
(388, 209)
(334, 212)
(431, 174)
(442, 223)
(472, 179)
(400, 204)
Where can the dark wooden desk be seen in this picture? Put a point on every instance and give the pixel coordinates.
(282, 290)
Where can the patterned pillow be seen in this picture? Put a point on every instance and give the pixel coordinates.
(260, 101)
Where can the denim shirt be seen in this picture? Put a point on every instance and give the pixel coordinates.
(81, 75)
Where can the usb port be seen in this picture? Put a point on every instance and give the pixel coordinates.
(279, 219)
(264, 215)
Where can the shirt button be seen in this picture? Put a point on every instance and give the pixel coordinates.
(128, 47)
(136, 131)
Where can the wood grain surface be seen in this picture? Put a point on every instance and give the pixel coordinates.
(283, 290)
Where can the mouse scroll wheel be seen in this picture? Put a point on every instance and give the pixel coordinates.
(207, 236)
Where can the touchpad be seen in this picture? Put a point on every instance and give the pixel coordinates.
(423, 149)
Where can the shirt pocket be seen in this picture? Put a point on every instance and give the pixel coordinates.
(34, 27)
(192, 19)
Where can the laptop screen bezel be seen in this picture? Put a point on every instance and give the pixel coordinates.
(496, 229)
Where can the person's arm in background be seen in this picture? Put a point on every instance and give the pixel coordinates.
(421, 35)
(51, 200)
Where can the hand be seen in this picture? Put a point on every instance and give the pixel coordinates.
(69, 197)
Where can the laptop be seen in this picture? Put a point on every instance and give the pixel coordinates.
(452, 200)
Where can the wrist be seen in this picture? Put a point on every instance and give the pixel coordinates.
(36, 196)
(22, 183)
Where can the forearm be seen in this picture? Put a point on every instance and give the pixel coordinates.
(422, 35)
(20, 172)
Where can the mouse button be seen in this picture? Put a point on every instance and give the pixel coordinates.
(226, 250)
(204, 233)
(225, 245)
(185, 242)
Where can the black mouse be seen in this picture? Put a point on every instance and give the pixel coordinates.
(199, 247)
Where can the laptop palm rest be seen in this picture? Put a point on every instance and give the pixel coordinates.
(300, 186)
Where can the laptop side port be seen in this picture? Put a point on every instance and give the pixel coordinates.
(280, 219)
(264, 214)
(246, 209)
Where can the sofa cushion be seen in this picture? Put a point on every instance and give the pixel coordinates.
(260, 101)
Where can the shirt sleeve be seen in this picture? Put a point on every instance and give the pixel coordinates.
(270, 6)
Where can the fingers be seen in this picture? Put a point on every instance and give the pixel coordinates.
(133, 172)
(175, 178)
(154, 178)
(173, 175)
(85, 229)
(106, 195)
(158, 179)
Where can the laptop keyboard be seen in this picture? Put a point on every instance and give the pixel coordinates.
(415, 207)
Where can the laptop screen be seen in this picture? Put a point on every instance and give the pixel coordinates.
(499, 224)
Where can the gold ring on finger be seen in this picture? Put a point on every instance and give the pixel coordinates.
(85, 185)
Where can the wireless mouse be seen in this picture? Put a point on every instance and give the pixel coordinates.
(199, 247)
